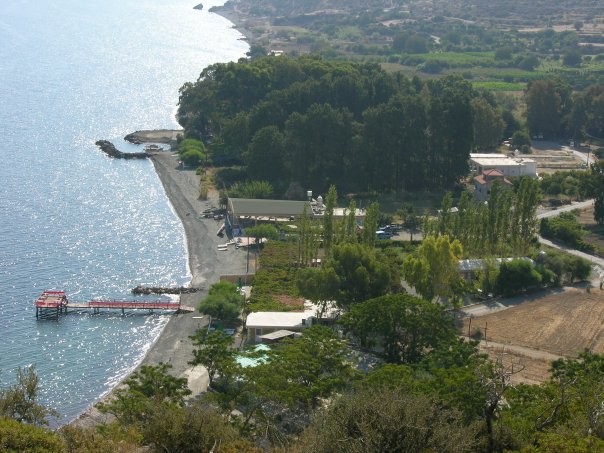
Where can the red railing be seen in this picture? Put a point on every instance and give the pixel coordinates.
(51, 299)
(134, 305)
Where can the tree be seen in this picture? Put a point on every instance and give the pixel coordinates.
(370, 223)
(328, 226)
(315, 141)
(564, 413)
(362, 274)
(517, 275)
(503, 53)
(572, 57)
(488, 125)
(256, 51)
(388, 420)
(596, 190)
(450, 131)
(150, 385)
(192, 429)
(527, 62)
(583, 380)
(298, 372)
(223, 301)
(403, 327)
(411, 221)
(520, 139)
(524, 224)
(320, 285)
(264, 157)
(433, 270)
(214, 352)
(546, 104)
(19, 401)
(349, 224)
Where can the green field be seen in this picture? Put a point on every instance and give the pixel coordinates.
(499, 86)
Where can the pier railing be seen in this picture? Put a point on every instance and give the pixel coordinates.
(50, 304)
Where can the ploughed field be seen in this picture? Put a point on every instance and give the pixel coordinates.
(530, 335)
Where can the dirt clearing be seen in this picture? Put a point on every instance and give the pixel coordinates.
(534, 333)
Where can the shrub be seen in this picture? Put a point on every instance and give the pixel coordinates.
(567, 229)
(251, 189)
(517, 275)
(223, 301)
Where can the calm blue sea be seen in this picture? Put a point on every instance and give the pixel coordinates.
(73, 72)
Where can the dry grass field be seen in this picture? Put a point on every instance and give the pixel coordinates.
(532, 334)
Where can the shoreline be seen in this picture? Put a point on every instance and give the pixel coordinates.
(206, 264)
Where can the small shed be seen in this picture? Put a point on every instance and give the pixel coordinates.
(278, 335)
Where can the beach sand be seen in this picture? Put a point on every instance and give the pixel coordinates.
(206, 264)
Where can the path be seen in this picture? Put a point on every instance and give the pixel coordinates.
(595, 260)
(521, 350)
(542, 214)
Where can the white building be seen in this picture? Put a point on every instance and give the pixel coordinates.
(508, 166)
(266, 322)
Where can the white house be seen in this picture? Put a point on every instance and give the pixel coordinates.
(508, 166)
(266, 322)
(270, 326)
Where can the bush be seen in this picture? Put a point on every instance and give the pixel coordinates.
(251, 189)
(520, 138)
(223, 302)
(559, 268)
(17, 437)
(192, 152)
(433, 66)
(516, 276)
(567, 229)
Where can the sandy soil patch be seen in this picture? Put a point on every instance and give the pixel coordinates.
(537, 331)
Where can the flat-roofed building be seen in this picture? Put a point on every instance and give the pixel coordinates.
(508, 166)
(245, 211)
(259, 324)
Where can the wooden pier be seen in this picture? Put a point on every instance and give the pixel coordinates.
(51, 304)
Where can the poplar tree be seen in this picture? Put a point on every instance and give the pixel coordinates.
(370, 224)
(349, 226)
(328, 226)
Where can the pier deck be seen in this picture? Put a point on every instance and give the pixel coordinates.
(54, 303)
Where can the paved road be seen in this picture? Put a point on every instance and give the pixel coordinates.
(598, 262)
(586, 158)
(542, 213)
(502, 304)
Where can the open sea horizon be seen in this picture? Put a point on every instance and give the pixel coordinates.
(74, 219)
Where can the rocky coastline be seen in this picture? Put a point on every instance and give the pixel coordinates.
(109, 148)
(206, 265)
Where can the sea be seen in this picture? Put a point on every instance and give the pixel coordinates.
(73, 72)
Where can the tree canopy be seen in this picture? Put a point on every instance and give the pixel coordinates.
(403, 327)
(321, 123)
